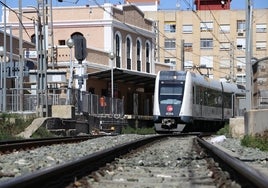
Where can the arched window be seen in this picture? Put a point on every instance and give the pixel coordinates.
(138, 55)
(118, 49)
(33, 38)
(148, 57)
(129, 45)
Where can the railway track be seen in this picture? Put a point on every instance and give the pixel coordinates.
(17, 145)
(134, 164)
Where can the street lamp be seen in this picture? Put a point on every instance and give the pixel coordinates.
(111, 56)
(1, 51)
(1, 81)
(70, 44)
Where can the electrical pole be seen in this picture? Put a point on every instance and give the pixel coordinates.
(21, 59)
(42, 59)
(248, 55)
(182, 55)
(4, 89)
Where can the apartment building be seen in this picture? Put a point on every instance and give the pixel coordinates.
(209, 38)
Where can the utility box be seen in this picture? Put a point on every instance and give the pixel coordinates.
(63, 111)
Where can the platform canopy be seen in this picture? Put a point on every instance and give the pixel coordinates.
(125, 76)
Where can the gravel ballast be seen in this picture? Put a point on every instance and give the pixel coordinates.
(24, 162)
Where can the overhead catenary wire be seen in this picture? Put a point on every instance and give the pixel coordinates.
(16, 13)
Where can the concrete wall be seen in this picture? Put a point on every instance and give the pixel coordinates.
(256, 121)
(237, 127)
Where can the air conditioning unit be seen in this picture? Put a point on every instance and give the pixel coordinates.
(239, 68)
(240, 33)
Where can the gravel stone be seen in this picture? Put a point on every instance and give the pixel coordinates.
(23, 162)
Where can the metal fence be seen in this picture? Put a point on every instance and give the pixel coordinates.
(26, 100)
(102, 106)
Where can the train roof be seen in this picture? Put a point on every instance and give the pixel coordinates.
(203, 81)
(217, 84)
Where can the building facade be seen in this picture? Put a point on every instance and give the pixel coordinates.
(144, 40)
(210, 41)
(121, 29)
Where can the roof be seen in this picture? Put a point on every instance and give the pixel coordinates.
(125, 76)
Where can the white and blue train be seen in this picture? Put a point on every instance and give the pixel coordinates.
(185, 101)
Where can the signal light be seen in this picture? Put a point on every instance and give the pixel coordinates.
(169, 108)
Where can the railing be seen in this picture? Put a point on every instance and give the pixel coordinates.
(90, 103)
(27, 99)
(102, 106)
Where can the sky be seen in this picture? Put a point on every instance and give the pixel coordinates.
(164, 4)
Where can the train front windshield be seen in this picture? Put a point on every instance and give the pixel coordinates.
(171, 93)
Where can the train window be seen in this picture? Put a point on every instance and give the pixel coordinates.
(214, 98)
(199, 97)
(208, 97)
(171, 94)
(171, 90)
(227, 100)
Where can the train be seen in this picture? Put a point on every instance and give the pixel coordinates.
(185, 101)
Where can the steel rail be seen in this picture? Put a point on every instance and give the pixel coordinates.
(12, 145)
(3, 142)
(64, 174)
(249, 174)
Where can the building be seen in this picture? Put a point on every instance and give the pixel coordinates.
(121, 29)
(210, 39)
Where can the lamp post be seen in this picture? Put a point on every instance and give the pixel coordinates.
(1, 81)
(70, 44)
(111, 56)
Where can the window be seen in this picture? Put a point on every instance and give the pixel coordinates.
(224, 46)
(170, 27)
(206, 43)
(260, 45)
(187, 28)
(241, 43)
(170, 43)
(241, 26)
(61, 42)
(138, 55)
(206, 26)
(240, 63)
(241, 79)
(118, 50)
(188, 47)
(129, 53)
(206, 61)
(260, 28)
(147, 57)
(225, 63)
(225, 28)
(170, 61)
(33, 38)
(171, 93)
(188, 64)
